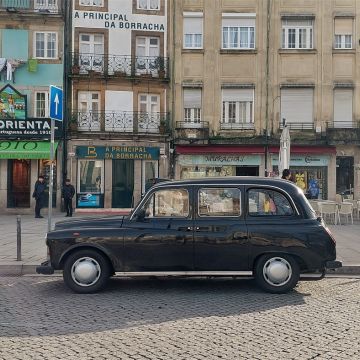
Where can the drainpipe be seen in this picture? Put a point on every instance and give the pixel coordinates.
(172, 84)
(67, 11)
(267, 72)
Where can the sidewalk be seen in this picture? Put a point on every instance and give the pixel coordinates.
(34, 249)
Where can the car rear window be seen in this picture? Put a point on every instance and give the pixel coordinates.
(264, 202)
(219, 202)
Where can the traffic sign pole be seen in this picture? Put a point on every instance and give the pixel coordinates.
(56, 113)
(51, 180)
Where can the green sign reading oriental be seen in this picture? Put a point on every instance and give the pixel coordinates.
(118, 152)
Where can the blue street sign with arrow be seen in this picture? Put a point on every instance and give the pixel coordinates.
(56, 103)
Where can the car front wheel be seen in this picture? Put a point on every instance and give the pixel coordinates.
(277, 273)
(86, 271)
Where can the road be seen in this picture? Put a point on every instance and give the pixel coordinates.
(179, 319)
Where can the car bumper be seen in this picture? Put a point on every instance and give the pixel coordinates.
(333, 264)
(45, 268)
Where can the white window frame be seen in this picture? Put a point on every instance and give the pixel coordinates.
(238, 30)
(309, 37)
(192, 35)
(91, 3)
(45, 45)
(46, 115)
(50, 7)
(148, 3)
(241, 108)
(192, 114)
(341, 43)
(149, 102)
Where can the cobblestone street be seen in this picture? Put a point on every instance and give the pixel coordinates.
(179, 319)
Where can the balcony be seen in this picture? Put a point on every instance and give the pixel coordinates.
(120, 122)
(299, 126)
(192, 131)
(31, 6)
(343, 132)
(125, 66)
(236, 126)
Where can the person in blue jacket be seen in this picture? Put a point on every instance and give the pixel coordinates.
(39, 195)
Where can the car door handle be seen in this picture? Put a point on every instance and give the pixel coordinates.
(185, 228)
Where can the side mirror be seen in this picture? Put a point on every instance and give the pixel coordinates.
(140, 215)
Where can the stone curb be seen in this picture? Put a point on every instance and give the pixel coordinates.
(12, 269)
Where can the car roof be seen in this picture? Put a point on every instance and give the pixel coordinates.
(232, 180)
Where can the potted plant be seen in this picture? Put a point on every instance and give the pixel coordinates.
(161, 66)
(75, 69)
(162, 126)
(73, 122)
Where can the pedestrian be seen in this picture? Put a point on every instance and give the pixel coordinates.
(39, 195)
(286, 174)
(68, 193)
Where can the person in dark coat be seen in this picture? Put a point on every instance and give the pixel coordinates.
(286, 174)
(68, 193)
(39, 195)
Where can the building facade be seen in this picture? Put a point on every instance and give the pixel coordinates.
(31, 59)
(244, 68)
(118, 130)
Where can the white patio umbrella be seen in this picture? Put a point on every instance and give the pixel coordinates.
(284, 153)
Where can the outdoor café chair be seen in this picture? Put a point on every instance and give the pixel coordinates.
(346, 209)
(329, 210)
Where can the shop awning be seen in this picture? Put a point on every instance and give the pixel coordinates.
(298, 149)
(25, 149)
(219, 149)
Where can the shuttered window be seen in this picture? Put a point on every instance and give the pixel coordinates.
(193, 30)
(192, 106)
(237, 109)
(297, 108)
(343, 31)
(343, 108)
(238, 31)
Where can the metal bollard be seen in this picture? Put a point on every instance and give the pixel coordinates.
(18, 238)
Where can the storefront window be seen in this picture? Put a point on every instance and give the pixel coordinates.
(150, 172)
(90, 183)
(44, 170)
(193, 172)
(91, 176)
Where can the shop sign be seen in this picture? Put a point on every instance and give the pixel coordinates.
(110, 20)
(118, 152)
(304, 160)
(220, 159)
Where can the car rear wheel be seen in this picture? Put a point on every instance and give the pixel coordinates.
(86, 271)
(277, 273)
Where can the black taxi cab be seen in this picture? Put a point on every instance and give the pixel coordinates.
(232, 226)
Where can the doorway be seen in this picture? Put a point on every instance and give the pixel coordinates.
(18, 193)
(344, 173)
(122, 183)
(247, 171)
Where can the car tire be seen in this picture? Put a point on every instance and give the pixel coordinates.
(86, 271)
(277, 273)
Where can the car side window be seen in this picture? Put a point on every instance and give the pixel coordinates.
(264, 202)
(168, 202)
(219, 202)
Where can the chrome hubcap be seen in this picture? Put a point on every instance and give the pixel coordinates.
(85, 271)
(277, 271)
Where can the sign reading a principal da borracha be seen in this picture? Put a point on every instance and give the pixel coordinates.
(116, 21)
(14, 122)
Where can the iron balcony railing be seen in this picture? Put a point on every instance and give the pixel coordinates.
(120, 65)
(299, 126)
(236, 126)
(120, 122)
(343, 125)
(192, 125)
(43, 6)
